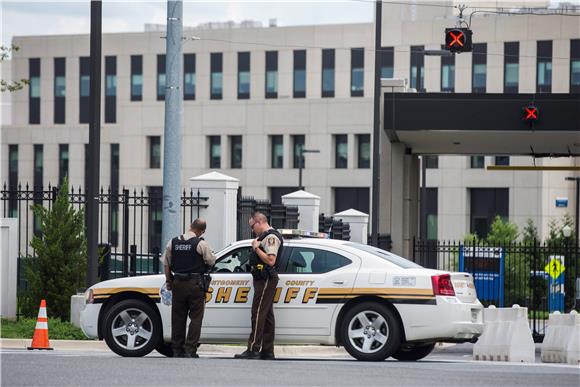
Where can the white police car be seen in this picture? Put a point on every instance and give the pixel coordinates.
(372, 302)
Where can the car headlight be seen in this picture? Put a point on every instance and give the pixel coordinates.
(89, 297)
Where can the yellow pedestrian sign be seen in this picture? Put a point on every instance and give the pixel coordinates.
(555, 267)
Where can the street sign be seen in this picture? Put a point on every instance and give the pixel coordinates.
(561, 202)
(556, 292)
(486, 264)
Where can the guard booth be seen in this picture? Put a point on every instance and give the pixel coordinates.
(486, 264)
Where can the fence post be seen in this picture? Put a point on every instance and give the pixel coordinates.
(125, 232)
(133, 260)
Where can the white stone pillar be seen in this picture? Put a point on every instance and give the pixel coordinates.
(221, 213)
(359, 224)
(308, 208)
(8, 266)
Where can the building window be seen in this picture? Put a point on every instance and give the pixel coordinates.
(328, 72)
(447, 73)
(189, 77)
(84, 88)
(235, 152)
(502, 160)
(63, 159)
(216, 65)
(544, 67)
(276, 194)
(387, 62)
(299, 90)
(277, 142)
(417, 74)
(161, 79)
(486, 204)
(114, 205)
(215, 152)
(154, 152)
(136, 77)
(431, 213)
(477, 162)
(479, 68)
(297, 147)
(340, 151)
(271, 74)
(575, 66)
(243, 75)
(155, 219)
(357, 72)
(431, 162)
(363, 150)
(59, 90)
(110, 89)
(13, 180)
(351, 197)
(511, 67)
(38, 182)
(34, 91)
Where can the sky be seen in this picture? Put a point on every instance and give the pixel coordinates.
(45, 17)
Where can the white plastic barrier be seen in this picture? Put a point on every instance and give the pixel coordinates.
(77, 304)
(562, 341)
(506, 336)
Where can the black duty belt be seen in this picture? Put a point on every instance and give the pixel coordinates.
(186, 276)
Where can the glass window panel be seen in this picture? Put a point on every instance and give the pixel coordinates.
(111, 85)
(137, 84)
(479, 75)
(512, 74)
(35, 87)
(85, 85)
(448, 77)
(299, 80)
(364, 151)
(544, 73)
(161, 84)
(575, 77)
(357, 79)
(386, 72)
(59, 86)
(244, 82)
(216, 83)
(272, 82)
(328, 80)
(189, 81)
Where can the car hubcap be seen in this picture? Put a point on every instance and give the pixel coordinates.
(132, 329)
(368, 331)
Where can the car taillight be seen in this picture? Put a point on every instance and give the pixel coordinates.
(442, 285)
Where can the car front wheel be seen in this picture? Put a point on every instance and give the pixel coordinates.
(370, 331)
(413, 352)
(132, 328)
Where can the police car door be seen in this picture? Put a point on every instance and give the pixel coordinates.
(228, 305)
(311, 271)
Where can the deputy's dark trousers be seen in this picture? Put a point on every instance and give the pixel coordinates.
(187, 298)
(263, 323)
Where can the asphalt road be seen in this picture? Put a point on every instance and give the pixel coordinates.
(76, 368)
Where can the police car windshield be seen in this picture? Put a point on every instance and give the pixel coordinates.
(392, 258)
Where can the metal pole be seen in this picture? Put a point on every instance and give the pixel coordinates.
(423, 221)
(300, 166)
(94, 143)
(376, 129)
(173, 122)
(577, 236)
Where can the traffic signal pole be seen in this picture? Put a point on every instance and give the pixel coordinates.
(172, 138)
(92, 215)
(376, 128)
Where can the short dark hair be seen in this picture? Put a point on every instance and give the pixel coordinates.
(199, 224)
(259, 217)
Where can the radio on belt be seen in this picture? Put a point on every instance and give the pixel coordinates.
(290, 233)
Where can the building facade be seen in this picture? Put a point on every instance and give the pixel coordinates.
(254, 97)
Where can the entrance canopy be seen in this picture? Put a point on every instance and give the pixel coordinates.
(466, 123)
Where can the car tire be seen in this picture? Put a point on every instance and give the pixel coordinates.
(164, 349)
(132, 328)
(413, 352)
(370, 332)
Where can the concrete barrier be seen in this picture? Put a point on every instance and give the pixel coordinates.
(562, 341)
(506, 336)
(77, 304)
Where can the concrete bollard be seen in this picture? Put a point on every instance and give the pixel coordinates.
(77, 304)
(562, 341)
(506, 336)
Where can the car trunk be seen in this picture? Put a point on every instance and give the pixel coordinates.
(464, 287)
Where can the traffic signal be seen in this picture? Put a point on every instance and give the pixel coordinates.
(458, 39)
(530, 113)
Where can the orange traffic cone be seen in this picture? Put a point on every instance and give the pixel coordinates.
(40, 338)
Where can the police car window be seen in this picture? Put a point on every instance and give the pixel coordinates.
(392, 258)
(313, 261)
(237, 261)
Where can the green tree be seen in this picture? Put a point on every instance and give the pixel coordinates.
(58, 268)
(9, 85)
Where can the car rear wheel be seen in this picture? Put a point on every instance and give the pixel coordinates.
(370, 332)
(132, 328)
(413, 352)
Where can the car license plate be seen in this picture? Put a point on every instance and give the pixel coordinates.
(474, 314)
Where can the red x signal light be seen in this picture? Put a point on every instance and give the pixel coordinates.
(458, 39)
(530, 113)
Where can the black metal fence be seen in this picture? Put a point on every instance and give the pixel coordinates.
(279, 215)
(129, 224)
(525, 269)
(336, 228)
